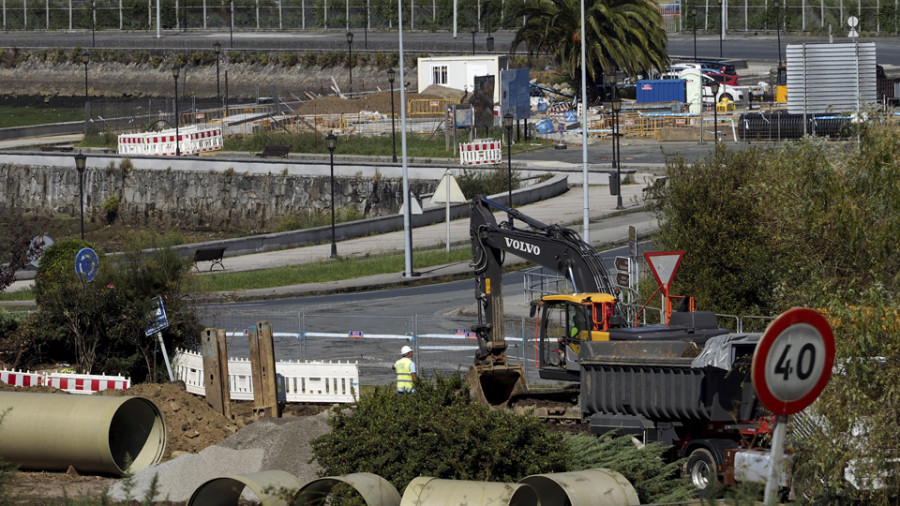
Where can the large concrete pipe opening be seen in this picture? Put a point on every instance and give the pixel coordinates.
(272, 488)
(423, 491)
(583, 488)
(93, 434)
(371, 488)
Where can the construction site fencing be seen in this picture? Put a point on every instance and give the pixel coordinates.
(442, 345)
(428, 107)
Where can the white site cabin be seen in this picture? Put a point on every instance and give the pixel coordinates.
(459, 72)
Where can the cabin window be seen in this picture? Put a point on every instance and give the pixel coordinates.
(439, 74)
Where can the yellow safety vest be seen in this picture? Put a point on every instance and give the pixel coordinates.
(404, 376)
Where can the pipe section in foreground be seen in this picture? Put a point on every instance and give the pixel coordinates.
(374, 490)
(272, 488)
(93, 434)
(424, 491)
(583, 488)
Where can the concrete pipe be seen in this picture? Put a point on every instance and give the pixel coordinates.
(583, 488)
(93, 434)
(272, 488)
(374, 490)
(424, 491)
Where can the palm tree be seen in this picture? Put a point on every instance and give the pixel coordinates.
(621, 34)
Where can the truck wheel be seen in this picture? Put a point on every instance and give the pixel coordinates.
(701, 469)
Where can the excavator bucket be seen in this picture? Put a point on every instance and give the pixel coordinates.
(495, 385)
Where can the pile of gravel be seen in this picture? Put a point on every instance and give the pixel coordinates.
(270, 444)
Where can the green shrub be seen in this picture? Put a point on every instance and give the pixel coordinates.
(403, 437)
(486, 181)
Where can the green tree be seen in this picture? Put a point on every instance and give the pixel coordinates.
(812, 223)
(623, 34)
(100, 325)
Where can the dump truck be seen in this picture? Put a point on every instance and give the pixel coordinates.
(684, 384)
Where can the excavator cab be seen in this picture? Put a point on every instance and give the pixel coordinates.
(781, 85)
(567, 321)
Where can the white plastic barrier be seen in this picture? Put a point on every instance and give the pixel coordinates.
(480, 152)
(336, 382)
(68, 382)
(86, 383)
(21, 379)
(191, 140)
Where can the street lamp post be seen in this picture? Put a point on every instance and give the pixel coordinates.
(611, 81)
(218, 49)
(508, 124)
(80, 160)
(616, 107)
(694, 22)
(489, 42)
(350, 57)
(93, 24)
(721, 26)
(85, 58)
(331, 143)
(175, 71)
(778, 29)
(714, 88)
(366, 25)
(474, 31)
(231, 27)
(391, 74)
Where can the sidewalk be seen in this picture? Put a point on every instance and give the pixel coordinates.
(566, 209)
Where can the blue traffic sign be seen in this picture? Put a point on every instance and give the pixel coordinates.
(158, 320)
(86, 264)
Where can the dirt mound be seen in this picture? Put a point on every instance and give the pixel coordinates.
(191, 424)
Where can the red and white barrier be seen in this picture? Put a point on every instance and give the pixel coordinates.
(21, 379)
(68, 382)
(480, 152)
(191, 140)
(86, 383)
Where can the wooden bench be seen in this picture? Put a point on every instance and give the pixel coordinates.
(275, 150)
(213, 255)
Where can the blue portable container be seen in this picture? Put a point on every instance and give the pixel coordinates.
(660, 90)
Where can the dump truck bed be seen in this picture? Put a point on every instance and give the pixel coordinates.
(670, 380)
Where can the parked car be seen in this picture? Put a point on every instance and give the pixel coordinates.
(718, 66)
(729, 79)
(726, 91)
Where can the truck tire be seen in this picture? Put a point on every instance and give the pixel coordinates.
(701, 470)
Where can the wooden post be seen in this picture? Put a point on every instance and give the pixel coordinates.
(215, 370)
(262, 363)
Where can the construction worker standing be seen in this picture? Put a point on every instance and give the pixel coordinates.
(406, 371)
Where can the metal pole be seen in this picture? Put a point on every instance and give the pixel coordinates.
(585, 193)
(218, 49)
(231, 30)
(407, 222)
(81, 198)
(721, 26)
(509, 168)
(694, 21)
(618, 166)
(473, 40)
(350, 58)
(777, 454)
(778, 30)
(177, 135)
(165, 354)
(393, 130)
(333, 243)
(93, 24)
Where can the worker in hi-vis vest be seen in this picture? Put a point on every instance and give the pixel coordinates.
(406, 371)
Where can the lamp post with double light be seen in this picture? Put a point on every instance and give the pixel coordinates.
(721, 26)
(616, 107)
(331, 143)
(391, 73)
(694, 22)
(176, 70)
(80, 162)
(218, 49)
(778, 29)
(350, 57)
(93, 23)
(508, 124)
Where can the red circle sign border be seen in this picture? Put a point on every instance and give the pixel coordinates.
(788, 318)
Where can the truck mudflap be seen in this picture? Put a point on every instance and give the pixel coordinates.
(495, 385)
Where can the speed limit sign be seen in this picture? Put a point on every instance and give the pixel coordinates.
(792, 362)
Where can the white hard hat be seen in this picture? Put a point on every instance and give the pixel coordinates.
(404, 350)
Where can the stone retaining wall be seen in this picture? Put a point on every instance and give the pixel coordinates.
(198, 199)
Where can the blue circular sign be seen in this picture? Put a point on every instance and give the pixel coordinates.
(86, 264)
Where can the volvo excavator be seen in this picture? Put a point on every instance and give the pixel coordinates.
(592, 313)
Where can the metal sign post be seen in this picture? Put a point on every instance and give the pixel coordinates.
(664, 265)
(791, 366)
(157, 325)
(447, 192)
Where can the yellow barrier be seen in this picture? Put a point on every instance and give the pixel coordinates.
(428, 107)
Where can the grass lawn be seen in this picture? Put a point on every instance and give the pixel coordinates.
(25, 116)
